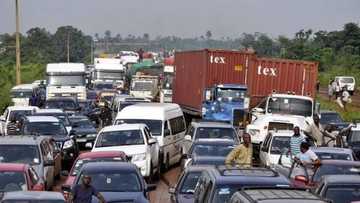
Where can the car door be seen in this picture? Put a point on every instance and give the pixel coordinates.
(264, 150)
(47, 157)
(154, 148)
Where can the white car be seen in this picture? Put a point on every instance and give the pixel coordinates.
(274, 145)
(347, 81)
(12, 112)
(137, 143)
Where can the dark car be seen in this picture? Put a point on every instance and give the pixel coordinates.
(32, 197)
(340, 188)
(84, 131)
(51, 126)
(68, 104)
(353, 139)
(58, 113)
(332, 117)
(184, 190)
(218, 184)
(208, 151)
(117, 182)
(274, 195)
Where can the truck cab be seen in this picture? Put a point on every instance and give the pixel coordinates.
(226, 102)
(166, 92)
(109, 70)
(144, 86)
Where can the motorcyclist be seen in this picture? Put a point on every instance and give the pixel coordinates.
(105, 115)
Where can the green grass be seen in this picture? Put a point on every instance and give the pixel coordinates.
(349, 115)
(325, 77)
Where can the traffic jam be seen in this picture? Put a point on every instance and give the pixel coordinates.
(205, 126)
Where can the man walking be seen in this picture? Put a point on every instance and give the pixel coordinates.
(242, 154)
(82, 193)
(295, 142)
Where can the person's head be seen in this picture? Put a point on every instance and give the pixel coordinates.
(86, 180)
(316, 119)
(304, 146)
(246, 139)
(296, 130)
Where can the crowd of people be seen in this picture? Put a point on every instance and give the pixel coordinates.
(341, 95)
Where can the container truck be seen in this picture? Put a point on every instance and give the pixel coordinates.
(109, 70)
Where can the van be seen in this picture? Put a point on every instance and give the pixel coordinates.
(348, 82)
(166, 123)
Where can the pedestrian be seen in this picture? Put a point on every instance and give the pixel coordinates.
(345, 97)
(295, 141)
(315, 131)
(105, 115)
(82, 193)
(307, 156)
(140, 53)
(330, 89)
(33, 100)
(337, 90)
(241, 154)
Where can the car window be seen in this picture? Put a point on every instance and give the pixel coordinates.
(12, 181)
(279, 143)
(79, 163)
(343, 193)
(177, 125)
(154, 125)
(215, 132)
(56, 129)
(28, 154)
(266, 143)
(119, 138)
(210, 150)
(189, 182)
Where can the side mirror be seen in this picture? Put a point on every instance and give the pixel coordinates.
(49, 163)
(65, 173)
(172, 190)
(188, 138)
(150, 187)
(152, 141)
(257, 110)
(166, 132)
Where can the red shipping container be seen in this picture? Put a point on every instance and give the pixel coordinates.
(197, 70)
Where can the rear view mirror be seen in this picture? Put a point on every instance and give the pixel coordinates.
(152, 141)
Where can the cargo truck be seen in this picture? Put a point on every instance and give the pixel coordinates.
(109, 70)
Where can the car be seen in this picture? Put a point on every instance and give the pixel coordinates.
(334, 153)
(53, 127)
(339, 188)
(218, 184)
(117, 182)
(278, 195)
(32, 197)
(38, 151)
(88, 157)
(208, 151)
(14, 113)
(333, 118)
(185, 187)
(308, 177)
(165, 121)
(84, 131)
(274, 143)
(346, 81)
(353, 139)
(207, 129)
(17, 177)
(58, 113)
(69, 105)
(137, 143)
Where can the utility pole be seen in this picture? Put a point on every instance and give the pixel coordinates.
(68, 47)
(18, 64)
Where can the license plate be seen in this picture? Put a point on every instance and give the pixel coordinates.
(81, 140)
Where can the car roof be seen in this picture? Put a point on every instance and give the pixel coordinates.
(211, 124)
(32, 195)
(23, 108)
(24, 87)
(42, 119)
(341, 179)
(135, 126)
(101, 154)
(22, 140)
(49, 111)
(147, 111)
(340, 162)
(108, 166)
(214, 141)
(13, 167)
(61, 99)
(291, 96)
(333, 150)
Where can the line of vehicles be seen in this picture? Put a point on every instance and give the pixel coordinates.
(217, 96)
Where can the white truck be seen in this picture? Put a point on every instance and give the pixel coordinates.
(166, 92)
(109, 70)
(21, 94)
(66, 80)
(281, 112)
(128, 57)
(144, 86)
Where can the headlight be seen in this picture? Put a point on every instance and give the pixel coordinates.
(138, 157)
(91, 135)
(68, 144)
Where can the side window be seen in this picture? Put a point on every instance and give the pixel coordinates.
(177, 125)
(33, 176)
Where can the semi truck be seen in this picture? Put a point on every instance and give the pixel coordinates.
(145, 86)
(109, 70)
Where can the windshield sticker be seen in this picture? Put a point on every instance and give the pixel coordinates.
(108, 180)
(286, 101)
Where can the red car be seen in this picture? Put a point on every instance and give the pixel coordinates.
(17, 177)
(110, 156)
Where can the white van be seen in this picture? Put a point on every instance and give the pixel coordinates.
(166, 123)
(347, 81)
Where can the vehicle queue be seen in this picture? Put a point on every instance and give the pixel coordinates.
(132, 141)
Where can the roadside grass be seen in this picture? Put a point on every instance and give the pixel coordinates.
(349, 115)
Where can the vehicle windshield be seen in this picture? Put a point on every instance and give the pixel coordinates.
(327, 118)
(335, 156)
(279, 143)
(119, 138)
(26, 154)
(328, 169)
(81, 162)
(66, 80)
(101, 86)
(189, 182)
(211, 150)
(82, 123)
(354, 136)
(60, 104)
(292, 106)
(21, 93)
(102, 74)
(214, 132)
(167, 82)
(227, 94)
(347, 80)
(343, 193)
(12, 181)
(62, 117)
(115, 181)
(142, 86)
(155, 126)
(55, 129)
(16, 115)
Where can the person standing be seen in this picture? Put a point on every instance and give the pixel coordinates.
(242, 154)
(82, 193)
(307, 156)
(345, 97)
(33, 100)
(295, 142)
(140, 53)
(330, 89)
(316, 131)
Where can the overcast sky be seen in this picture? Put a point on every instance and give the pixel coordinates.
(184, 18)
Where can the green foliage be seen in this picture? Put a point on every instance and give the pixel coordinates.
(349, 115)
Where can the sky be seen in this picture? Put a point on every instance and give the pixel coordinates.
(183, 18)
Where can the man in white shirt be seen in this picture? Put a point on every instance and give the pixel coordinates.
(307, 156)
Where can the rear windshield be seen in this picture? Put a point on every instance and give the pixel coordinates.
(211, 150)
(119, 138)
(12, 181)
(347, 80)
(81, 162)
(26, 154)
(336, 156)
(56, 129)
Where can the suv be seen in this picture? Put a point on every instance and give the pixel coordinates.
(69, 104)
(137, 143)
(52, 127)
(220, 183)
(38, 151)
(278, 195)
(14, 113)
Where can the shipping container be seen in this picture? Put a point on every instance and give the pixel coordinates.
(197, 70)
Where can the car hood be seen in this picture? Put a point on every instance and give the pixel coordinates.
(129, 150)
(136, 197)
(208, 160)
(185, 198)
(300, 121)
